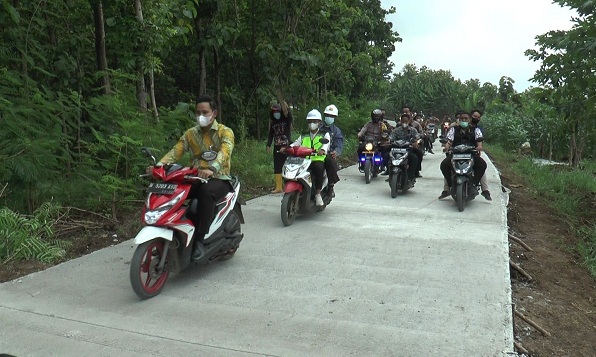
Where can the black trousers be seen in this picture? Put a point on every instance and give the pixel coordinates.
(278, 159)
(317, 170)
(207, 195)
(332, 168)
(479, 169)
(420, 155)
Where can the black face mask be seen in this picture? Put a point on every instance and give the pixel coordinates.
(376, 120)
(475, 121)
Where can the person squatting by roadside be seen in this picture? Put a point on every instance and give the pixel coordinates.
(336, 146)
(312, 140)
(207, 135)
(463, 134)
(280, 131)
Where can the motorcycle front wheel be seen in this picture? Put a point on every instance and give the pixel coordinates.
(145, 278)
(367, 171)
(459, 197)
(393, 184)
(288, 208)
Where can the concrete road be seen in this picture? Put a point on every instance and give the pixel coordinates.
(369, 276)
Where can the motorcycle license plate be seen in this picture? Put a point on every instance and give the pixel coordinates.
(293, 160)
(461, 156)
(162, 188)
(399, 151)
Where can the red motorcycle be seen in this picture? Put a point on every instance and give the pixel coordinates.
(165, 244)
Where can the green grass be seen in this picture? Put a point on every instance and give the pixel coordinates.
(570, 192)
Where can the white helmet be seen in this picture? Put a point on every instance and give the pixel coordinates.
(331, 110)
(313, 114)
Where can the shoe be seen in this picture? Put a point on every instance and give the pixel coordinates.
(418, 174)
(330, 191)
(198, 252)
(486, 195)
(431, 152)
(385, 173)
(444, 194)
(319, 200)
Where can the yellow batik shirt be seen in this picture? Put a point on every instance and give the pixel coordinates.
(218, 138)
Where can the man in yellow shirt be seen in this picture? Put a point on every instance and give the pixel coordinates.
(207, 135)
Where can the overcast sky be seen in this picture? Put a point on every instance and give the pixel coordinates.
(483, 39)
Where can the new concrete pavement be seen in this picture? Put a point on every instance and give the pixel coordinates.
(369, 276)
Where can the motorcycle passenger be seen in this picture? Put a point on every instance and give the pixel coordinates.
(336, 146)
(280, 130)
(476, 116)
(374, 129)
(207, 134)
(312, 140)
(416, 147)
(428, 142)
(463, 134)
(405, 132)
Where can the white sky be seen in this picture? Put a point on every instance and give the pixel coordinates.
(483, 39)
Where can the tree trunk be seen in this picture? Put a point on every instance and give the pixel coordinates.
(198, 23)
(217, 65)
(141, 89)
(152, 95)
(100, 45)
(573, 152)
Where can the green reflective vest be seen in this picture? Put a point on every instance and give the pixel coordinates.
(314, 144)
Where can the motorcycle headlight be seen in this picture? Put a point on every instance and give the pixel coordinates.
(368, 146)
(396, 162)
(152, 216)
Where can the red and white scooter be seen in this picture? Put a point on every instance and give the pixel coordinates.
(299, 193)
(165, 244)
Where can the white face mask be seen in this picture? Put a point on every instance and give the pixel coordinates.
(313, 126)
(405, 125)
(329, 120)
(203, 121)
(277, 115)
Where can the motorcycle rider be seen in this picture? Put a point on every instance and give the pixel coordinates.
(280, 130)
(207, 135)
(463, 134)
(312, 140)
(416, 148)
(336, 146)
(375, 128)
(476, 116)
(405, 132)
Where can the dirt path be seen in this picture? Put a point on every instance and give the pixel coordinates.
(561, 297)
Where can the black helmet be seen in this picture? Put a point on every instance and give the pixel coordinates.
(376, 115)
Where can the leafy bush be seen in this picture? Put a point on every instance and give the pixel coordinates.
(24, 238)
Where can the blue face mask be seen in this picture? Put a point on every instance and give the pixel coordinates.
(277, 115)
(463, 124)
(329, 120)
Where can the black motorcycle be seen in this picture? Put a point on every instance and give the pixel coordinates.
(370, 159)
(463, 188)
(398, 167)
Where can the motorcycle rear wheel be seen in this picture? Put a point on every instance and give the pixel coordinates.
(146, 281)
(393, 184)
(459, 197)
(367, 171)
(288, 208)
